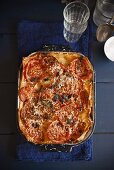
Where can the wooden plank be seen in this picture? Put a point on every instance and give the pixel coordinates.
(103, 156)
(103, 66)
(8, 102)
(11, 12)
(105, 107)
(8, 58)
(9, 53)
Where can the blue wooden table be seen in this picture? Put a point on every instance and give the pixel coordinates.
(11, 12)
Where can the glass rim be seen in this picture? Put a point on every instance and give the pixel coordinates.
(107, 3)
(77, 2)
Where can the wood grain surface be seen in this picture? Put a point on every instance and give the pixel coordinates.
(11, 12)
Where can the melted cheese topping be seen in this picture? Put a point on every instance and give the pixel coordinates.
(58, 105)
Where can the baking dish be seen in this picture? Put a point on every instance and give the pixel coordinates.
(67, 146)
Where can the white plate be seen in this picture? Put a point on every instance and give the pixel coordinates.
(109, 48)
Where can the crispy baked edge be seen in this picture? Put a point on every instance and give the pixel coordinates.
(67, 57)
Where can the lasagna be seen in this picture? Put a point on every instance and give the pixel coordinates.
(55, 98)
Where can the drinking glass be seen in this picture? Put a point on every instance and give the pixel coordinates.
(103, 12)
(76, 15)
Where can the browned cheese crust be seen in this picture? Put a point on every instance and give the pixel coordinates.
(56, 97)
